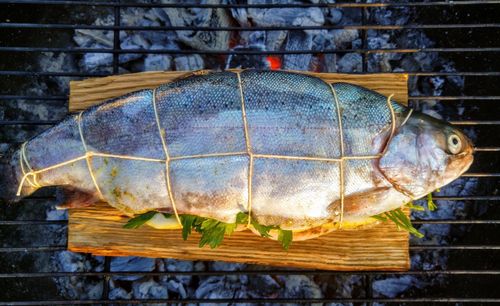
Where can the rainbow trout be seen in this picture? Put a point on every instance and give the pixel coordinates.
(286, 150)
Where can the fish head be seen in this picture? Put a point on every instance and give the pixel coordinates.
(424, 154)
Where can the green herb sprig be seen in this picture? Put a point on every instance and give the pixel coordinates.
(212, 231)
(430, 203)
(139, 220)
(402, 221)
(285, 237)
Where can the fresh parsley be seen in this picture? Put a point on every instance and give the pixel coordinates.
(188, 223)
(430, 203)
(213, 231)
(262, 229)
(242, 218)
(139, 220)
(285, 237)
(401, 220)
(412, 206)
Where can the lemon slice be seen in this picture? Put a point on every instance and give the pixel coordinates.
(350, 225)
(159, 221)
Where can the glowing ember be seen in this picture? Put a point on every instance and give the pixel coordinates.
(274, 62)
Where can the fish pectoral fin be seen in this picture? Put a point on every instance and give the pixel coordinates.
(74, 198)
(358, 203)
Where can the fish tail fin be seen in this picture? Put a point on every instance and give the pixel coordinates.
(10, 178)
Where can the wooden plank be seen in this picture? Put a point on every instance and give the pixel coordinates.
(98, 229)
(84, 94)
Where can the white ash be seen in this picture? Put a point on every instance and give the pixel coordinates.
(242, 61)
(201, 40)
(189, 62)
(75, 287)
(393, 287)
(131, 263)
(179, 284)
(226, 266)
(298, 40)
(350, 62)
(157, 62)
(56, 214)
(334, 15)
(146, 289)
(118, 293)
(300, 287)
(343, 38)
(311, 16)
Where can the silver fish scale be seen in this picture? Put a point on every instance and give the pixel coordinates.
(290, 114)
(63, 135)
(214, 187)
(78, 177)
(131, 123)
(133, 186)
(202, 115)
(294, 194)
(365, 114)
(360, 175)
(57, 145)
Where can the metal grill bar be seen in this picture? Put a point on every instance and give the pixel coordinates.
(487, 149)
(24, 97)
(57, 26)
(425, 221)
(276, 5)
(453, 247)
(35, 249)
(481, 174)
(475, 122)
(242, 52)
(33, 222)
(249, 273)
(278, 300)
(103, 74)
(416, 98)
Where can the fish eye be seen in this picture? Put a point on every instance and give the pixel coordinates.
(454, 144)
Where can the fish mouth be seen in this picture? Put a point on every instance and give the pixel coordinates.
(467, 159)
(459, 164)
(467, 156)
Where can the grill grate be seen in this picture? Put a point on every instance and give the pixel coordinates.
(474, 247)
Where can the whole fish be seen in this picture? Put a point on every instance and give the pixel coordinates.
(289, 150)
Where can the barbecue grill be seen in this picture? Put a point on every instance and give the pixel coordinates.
(463, 268)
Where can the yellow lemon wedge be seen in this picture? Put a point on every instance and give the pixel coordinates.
(159, 221)
(346, 225)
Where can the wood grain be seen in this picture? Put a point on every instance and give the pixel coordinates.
(98, 229)
(86, 93)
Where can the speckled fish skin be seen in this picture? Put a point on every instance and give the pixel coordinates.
(288, 115)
